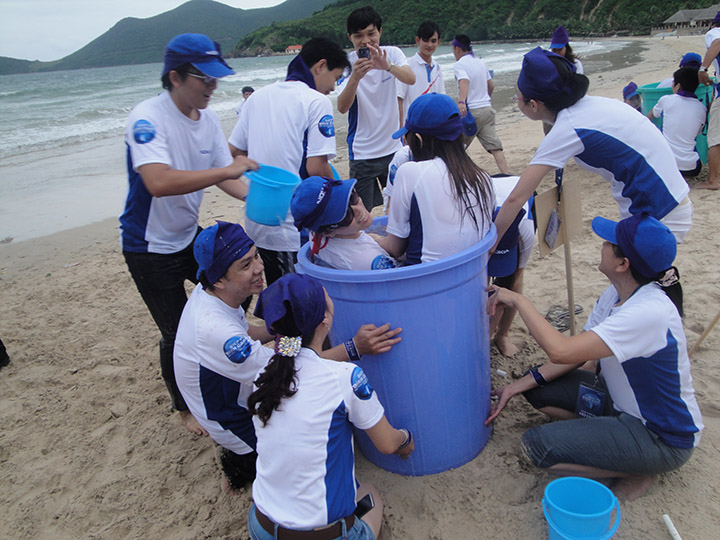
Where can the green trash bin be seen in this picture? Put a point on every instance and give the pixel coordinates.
(651, 94)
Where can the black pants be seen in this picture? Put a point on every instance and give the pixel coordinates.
(277, 264)
(371, 177)
(160, 279)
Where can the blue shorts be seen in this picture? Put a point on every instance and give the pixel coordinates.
(359, 531)
(614, 442)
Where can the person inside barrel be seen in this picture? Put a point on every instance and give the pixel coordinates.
(623, 386)
(304, 408)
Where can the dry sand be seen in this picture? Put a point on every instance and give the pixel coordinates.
(90, 449)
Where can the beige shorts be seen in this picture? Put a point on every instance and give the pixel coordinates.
(713, 134)
(485, 121)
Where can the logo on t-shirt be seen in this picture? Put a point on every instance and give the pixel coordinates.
(143, 132)
(237, 349)
(382, 262)
(327, 126)
(360, 384)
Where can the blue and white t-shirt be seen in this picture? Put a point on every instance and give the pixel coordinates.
(424, 210)
(157, 132)
(306, 465)
(216, 362)
(373, 117)
(361, 253)
(608, 138)
(282, 125)
(504, 185)
(683, 120)
(710, 36)
(475, 71)
(648, 376)
(428, 80)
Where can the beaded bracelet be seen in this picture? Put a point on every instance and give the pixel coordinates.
(352, 351)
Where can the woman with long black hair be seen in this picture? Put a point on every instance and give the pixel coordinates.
(442, 202)
(304, 410)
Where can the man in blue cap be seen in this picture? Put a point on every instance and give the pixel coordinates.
(691, 60)
(218, 353)
(712, 43)
(175, 149)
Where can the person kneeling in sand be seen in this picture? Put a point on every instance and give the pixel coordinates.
(337, 217)
(218, 354)
(637, 409)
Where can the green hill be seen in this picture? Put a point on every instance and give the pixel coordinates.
(480, 19)
(140, 41)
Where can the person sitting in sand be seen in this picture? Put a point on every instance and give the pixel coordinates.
(605, 137)
(337, 217)
(442, 202)
(304, 408)
(684, 117)
(218, 354)
(633, 415)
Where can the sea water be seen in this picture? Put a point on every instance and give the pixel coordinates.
(62, 154)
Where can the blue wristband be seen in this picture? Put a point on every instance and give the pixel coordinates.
(351, 351)
(408, 440)
(537, 376)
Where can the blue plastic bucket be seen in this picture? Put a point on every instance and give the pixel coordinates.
(271, 189)
(651, 94)
(580, 508)
(436, 381)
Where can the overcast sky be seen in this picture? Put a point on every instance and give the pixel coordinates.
(51, 29)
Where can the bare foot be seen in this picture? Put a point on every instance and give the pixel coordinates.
(225, 486)
(632, 487)
(708, 185)
(505, 346)
(192, 425)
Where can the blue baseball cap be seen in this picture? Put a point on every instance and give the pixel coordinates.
(560, 38)
(504, 261)
(648, 244)
(319, 201)
(198, 50)
(217, 247)
(691, 59)
(630, 90)
(298, 294)
(539, 78)
(433, 114)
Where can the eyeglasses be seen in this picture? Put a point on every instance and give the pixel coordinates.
(523, 99)
(349, 215)
(207, 79)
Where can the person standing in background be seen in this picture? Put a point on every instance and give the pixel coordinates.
(712, 42)
(289, 124)
(475, 88)
(428, 76)
(247, 91)
(368, 94)
(561, 45)
(175, 149)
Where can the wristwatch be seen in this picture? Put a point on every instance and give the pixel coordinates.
(705, 69)
(391, 66)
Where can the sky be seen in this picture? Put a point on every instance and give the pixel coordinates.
(51, 29)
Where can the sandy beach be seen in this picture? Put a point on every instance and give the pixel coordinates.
(90, 448)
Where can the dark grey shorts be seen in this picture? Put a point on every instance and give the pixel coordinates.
(617, 442)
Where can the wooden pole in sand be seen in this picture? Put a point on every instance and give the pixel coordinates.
(568, 267)
(705, 333)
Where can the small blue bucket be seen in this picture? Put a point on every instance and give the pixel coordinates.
(271, 189)
(580, 509)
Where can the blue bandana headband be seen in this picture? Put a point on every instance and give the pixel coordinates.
(299, 294)
(539, 79)
(217, 247)
(456, 43)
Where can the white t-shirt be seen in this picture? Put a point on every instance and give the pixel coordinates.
(476, 72)
(282, 125)
(373, 116)
(361, 253)
(666, 83)
(306, 465)
(401, 156)
(607, 137)
(216, 362)
(157, 132)
(424, 210)
(503, 186)
(710, 36)
(648, 376)
(578, 67)
(428, 80)
(683, 119)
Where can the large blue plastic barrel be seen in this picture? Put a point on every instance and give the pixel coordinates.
(436, 381)
(651, 94)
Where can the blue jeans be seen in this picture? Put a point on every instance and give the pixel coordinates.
(160, 279)
(359, 531)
